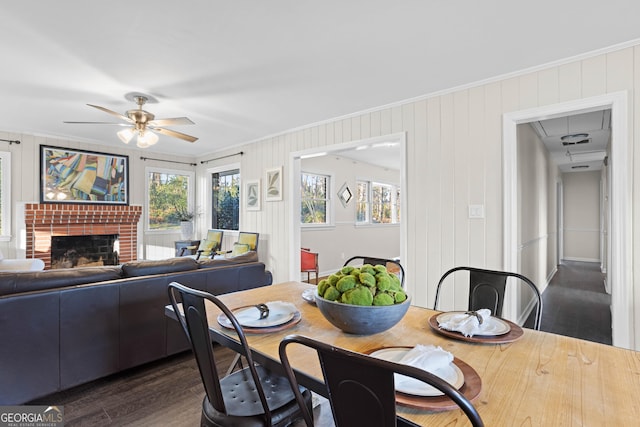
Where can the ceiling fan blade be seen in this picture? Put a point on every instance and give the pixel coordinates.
(106, 110)
(175, 134)
(171, 122)
(98, 123)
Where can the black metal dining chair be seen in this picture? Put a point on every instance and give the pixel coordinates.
(487, 288)
(250, 397)
(359, 260)
(361, 388)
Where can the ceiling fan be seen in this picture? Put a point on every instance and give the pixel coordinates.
(143, 124)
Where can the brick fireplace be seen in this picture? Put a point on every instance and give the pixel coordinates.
(45, 220)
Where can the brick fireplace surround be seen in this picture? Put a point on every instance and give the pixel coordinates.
(45, 220)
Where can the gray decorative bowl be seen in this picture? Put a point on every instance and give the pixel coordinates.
(362, 319)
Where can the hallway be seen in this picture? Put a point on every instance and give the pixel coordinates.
(576, 304)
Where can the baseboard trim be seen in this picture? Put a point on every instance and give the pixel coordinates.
(582, 259)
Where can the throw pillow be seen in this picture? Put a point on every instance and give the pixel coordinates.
(239, 249)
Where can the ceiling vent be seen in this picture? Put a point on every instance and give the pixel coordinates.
(574, 137)
(582, 141)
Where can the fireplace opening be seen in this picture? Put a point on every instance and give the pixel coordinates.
(84, 251)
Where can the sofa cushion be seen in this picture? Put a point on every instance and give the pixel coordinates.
(219, 261)
(26, 281)
(147, 268)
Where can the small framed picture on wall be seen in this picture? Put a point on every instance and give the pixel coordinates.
(252, 195)
(273, 184)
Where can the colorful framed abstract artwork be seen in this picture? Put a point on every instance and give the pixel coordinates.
(273, 185)
(252, 191)
(79, 176)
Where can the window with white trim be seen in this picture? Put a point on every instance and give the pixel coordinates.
(5, 195)
(225, 199)
(377, 203)
(362, 202)
(169, 198)
(315, 198)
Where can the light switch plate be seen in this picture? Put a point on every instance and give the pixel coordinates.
(476, 211)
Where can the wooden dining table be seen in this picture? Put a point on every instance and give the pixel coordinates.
(541, 379)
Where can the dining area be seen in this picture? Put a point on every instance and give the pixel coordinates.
(510, 375)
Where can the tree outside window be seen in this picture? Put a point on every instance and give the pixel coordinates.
(169, 197)
(381, 209)
(362, 202)
(377, 203)
(314, 198)
(225, 196)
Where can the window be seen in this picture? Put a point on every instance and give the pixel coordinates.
(362, 200)
(225, 199)
(377, 203)
(381, 205)
(5, 195)
(314, 199)
(169, 193)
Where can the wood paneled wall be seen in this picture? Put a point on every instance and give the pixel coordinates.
(454, 159)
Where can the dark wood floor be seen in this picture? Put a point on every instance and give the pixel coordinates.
(169, 393)
(576, 304)
(166, 393)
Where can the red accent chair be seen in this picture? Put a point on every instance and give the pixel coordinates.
(309, 263)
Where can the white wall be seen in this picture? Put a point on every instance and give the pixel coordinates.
(582, 216)
(537, 201)
(345, 238)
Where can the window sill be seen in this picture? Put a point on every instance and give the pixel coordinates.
(175, 231)
(369, 225)
(316, 227)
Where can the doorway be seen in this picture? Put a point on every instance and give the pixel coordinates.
(353, 149)
(619, 273)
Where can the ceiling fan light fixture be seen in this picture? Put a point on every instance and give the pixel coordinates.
(138, 122)
(126, 135)
(146, 139)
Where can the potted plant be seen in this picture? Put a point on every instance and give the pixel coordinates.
(186, 222)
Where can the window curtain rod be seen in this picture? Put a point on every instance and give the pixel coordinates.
(168, 161)
(240, 153)
(10, 141)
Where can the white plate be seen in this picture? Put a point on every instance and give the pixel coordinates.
(493, 326)
(279, 313)
(309, 295)
(451, 374)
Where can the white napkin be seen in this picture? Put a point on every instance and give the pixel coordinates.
(467, 324)
(426, 357)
